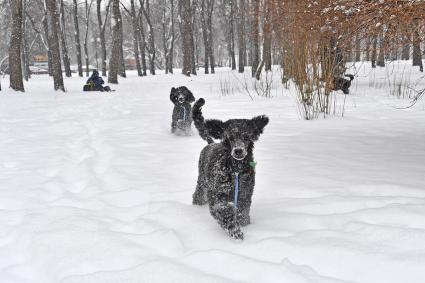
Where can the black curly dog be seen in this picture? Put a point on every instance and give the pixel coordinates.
(227, 166)
(182, 98)
(342, 84)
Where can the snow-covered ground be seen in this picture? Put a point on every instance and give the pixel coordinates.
(95, 189)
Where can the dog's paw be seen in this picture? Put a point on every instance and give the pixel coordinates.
(244, 220)
(236, 233)
(198, 201)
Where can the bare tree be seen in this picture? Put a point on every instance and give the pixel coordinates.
(86, 51)
(255, 51)
(25, 47)
(54, 44)
(16, 81)
(187, 36)
(194, 37)
(205, 36)
(151, 37)
(210, 11)
(121, 72)
(115, 59)
(405, 53)
(77, 39)
(241, 36)
(231, 46)
(142, 42)
(357, 45)
(173, 37)
(102, 25)
(136, 39)
(168, 35)
(267, 44)
(45, 22)
(417, 53)
(381, 56)
(65, 57)
(374, 50)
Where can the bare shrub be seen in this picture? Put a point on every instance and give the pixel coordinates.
(317, 37)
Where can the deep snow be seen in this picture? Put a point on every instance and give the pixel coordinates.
(95, 189)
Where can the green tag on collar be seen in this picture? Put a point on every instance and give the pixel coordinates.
(253, 164)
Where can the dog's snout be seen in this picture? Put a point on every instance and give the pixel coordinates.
(239, 153)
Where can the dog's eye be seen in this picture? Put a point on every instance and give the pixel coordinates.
(246, 137)
(230, 138)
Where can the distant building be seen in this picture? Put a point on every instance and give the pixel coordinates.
(41, 61)
(40, 65)
(130, 63)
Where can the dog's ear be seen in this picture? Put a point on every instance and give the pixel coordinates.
(173, 95)
(189, 96)
(215, 128)
(258, 124)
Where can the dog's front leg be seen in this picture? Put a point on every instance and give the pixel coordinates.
(174, 119)
(243, 214)
(222, 210)
(245, 199)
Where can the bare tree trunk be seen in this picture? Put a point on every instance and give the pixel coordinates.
(205, 36)
(25, 49)
(195, 54)
(46, 31)
(381, 57)
(86, 51)
(187, 36)
(151, 39)
(254, 34)
(171, 52)
(357, 46)
(349, 51)
(232, 34)
(54, 43)
(165, 36)
(417, 53)
(102, 26)
(16, 82)
(65, 57)
(77, 39)
(374, 50)
(259, 69)
(114, 61)
(135, 38)
(142, 42)
(121, 71)
(267, 45)
(368, 49)
(241, 36)
(405, 54)
(210, 35)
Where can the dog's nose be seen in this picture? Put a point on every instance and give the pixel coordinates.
(238, 151)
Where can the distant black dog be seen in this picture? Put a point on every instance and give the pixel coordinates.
(182, 98)
(342, 84)
(227, 169)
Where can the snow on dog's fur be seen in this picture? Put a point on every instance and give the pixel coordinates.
(220, 162)
(182, 98)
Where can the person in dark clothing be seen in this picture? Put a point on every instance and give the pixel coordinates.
(95, 83)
